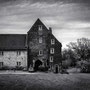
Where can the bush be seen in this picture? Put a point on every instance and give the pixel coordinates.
(4, 68)
(11, 68)
(66, 64)
(19, 68)
(43, 69)
(84, 66)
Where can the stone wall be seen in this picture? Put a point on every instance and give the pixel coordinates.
(35, 46)
(10, 58)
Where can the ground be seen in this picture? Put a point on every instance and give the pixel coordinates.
(43, 81)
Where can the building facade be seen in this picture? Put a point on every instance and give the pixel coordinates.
(12, 50)
(38, 47)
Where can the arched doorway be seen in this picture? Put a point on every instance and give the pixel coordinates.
(37, 64)
(56, 68)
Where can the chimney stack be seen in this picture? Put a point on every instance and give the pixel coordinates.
(50, 30)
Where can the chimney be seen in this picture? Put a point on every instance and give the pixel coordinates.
(50, 30)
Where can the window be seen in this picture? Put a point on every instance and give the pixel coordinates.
(52, 50)
(41, 52)
(40, 27)
(40, 39)
(18, 63)
(18, 53)
(1, 53)
(51, 58)
(52, 41)
(1, 64)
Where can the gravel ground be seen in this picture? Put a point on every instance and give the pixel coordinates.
(44, 81)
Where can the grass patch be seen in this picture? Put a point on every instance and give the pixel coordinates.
(45, 81)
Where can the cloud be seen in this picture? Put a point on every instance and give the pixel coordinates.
(47, 1)
(77, 25)
(69, 19)
(64, 1)
(57, 1)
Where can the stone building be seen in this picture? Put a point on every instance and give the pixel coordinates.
(12, 50)
(38, 47)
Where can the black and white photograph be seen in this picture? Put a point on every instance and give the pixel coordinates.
(44, 44)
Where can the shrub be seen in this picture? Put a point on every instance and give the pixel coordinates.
(19, 68)
(66, 64)
(4, 68)
(43, 69)
(84, 66)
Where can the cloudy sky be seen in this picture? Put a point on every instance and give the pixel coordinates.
(69, 19)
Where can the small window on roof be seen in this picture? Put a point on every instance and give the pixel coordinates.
(40, 27)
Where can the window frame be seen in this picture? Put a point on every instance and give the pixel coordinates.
(1, 53)
(51, 59)
(40, 40)
(40, 52)
(1, 64)
(52, 51)
(40, 27)
(18, 53)
(18, 63)
(52, 41)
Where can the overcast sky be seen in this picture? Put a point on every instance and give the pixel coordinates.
(69, 19)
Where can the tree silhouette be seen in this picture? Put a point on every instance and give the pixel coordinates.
(81, 48)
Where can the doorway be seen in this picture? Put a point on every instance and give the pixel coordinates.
(37, 64)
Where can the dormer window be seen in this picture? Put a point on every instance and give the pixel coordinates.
(52, 41)
(40, 27)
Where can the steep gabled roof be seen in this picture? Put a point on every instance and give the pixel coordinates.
(35, 25)
(12, 41)
(56, 40)
(51, 36)
(35, 28)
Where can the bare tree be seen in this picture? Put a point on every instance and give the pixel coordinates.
(81, 48)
